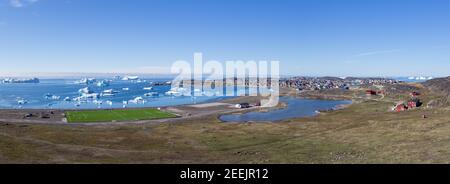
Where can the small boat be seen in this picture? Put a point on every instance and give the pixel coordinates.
(148, 88)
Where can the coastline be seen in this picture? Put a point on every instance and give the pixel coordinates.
(183, 112)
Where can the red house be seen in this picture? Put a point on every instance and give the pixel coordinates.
(412, 105)
(401, 108)
(371, 92)
(414, 94)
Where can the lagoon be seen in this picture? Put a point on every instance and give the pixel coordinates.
(296, 108)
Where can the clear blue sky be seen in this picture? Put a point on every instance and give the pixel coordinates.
(308, 37)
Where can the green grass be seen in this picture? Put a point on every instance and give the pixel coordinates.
(116, 115)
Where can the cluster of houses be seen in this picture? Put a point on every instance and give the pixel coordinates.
(412, 103)
(320, 83)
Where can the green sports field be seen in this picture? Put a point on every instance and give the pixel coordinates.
(116, 115)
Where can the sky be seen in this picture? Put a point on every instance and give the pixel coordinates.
(308, 37)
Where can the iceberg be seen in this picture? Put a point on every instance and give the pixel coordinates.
(85, 90)
(127, 78)
(86, 81)
(110, 103)
(22, 101)
(137, 100)
(49, 96)
(11, 80)
(103, 83)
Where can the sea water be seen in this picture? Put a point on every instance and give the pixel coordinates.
(35, 95)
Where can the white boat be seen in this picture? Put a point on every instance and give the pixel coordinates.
(148, 88)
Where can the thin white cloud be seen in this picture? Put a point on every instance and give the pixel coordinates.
(361, 56)
(375, 53)
(21, 3)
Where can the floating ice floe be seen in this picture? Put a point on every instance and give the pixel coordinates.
(127, 78)
(85, 90)
(97, 102)
(110, 91)
(86, 97)
(125, 89)
(176, 92)
(103, 83)
(49, 96)
(106, 94)
(173, 93)
(110, 103)
(22, 101)
(137, 100)
(151, 94)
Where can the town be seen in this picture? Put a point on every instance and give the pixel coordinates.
(320, 83)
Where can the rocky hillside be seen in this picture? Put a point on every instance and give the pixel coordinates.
(439, 85)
